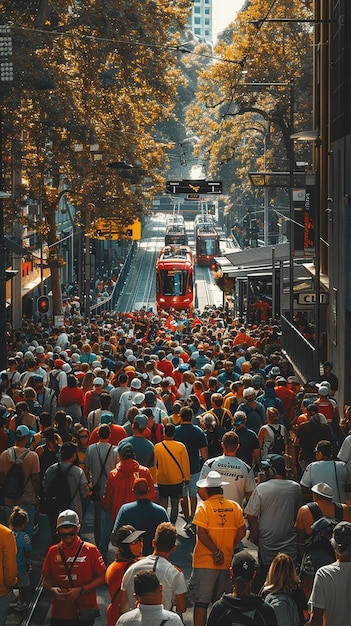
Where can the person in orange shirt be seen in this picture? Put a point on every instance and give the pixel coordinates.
(243, 337)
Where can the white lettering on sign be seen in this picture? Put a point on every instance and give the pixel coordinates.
(310, 298)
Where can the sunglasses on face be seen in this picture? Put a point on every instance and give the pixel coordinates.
(83, 436)
(70, 533)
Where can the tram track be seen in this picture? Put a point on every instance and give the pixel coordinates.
(140, 286)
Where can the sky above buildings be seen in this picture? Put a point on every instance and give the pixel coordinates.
(224, 12)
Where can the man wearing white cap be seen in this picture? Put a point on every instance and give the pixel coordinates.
(92, 397)
(220, 528)
(72, 571)
(126, 399)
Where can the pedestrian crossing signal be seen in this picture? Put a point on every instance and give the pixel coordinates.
(43, 304)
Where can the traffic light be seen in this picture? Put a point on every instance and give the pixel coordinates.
(43, 304)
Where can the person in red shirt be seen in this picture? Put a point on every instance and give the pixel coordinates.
(117, 432)
(72, 571)
(120, 481)
(164, 365)
(287, 397)
(243, 338)
(71, 398)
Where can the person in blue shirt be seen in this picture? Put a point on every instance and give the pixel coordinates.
(18, 521)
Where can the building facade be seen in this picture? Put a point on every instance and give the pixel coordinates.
(201, 20)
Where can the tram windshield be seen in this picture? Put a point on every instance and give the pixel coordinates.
(207, 247)
(173, 282)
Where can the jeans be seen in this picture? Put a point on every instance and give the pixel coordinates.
(102, 528)
(4, 607)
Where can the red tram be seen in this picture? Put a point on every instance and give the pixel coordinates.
(175, 278)
(206, 240)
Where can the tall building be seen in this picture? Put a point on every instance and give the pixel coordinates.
(201, 19)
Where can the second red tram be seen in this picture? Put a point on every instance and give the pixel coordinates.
(206, 241)
(175, 278)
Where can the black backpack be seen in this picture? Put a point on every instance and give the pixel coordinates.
(278, 446)
(54, 383)
(15, 482)
(95, 401)
(58, 494)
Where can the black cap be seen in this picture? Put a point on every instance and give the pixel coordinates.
(244, 566)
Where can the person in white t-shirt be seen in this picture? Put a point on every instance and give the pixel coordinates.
(171, 578)
(239, 476)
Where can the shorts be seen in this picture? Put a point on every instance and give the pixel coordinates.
(191, 488)
(208, 585)
(172, 491)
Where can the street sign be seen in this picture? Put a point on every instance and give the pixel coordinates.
(188, 186)
(111, 228)
(310, 298)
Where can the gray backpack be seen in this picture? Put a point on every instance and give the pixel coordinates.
(285, 608)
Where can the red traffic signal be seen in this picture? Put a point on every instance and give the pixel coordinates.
(43, 304)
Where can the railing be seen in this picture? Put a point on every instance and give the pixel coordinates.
(108, 304)
(299, 350)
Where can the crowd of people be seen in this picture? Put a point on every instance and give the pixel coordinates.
(156, 419)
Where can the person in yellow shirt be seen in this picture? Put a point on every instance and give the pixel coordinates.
(220, 528)
(172, 470)
(8, 569)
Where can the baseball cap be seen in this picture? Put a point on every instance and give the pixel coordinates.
(323, 391)
(131, 358)
(141, 420)
(98, 381)
(341, 539)
(277, 462)
(156, 380)
(150, 396)
(138, 399)
(322, 489)
(275, 371)
(38, 379)
(67, 518)
(58, 363)
(328, 364)
(125, 448)
(207, 367)
(213, 479)
(133, 535)
(136, 383)
(257, 379)
(293, 379)
(244, 565)
(106, 418)
(22, 431)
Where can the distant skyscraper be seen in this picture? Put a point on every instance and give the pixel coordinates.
(201, 19)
